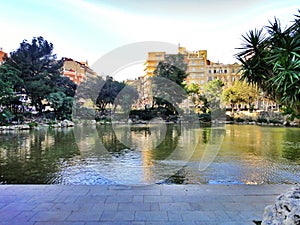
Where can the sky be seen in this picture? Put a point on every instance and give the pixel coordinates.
(86, 30)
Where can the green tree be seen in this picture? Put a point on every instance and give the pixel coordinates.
(213, 91)
(108, 93)
(193, 90)
(126, 98)
(239, 93)
(61, 104)
(38, 68)
(270, 59)
(173, 69)
(65, 85)
(10, 85)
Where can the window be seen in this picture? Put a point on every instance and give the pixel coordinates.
(225, 71)
(209, 71)
(215, 71)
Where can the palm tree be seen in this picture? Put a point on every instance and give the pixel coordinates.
(270, 59)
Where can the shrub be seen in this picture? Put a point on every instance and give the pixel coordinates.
(262, 120)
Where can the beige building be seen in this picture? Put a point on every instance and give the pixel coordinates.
(200, 70)
(77, 71)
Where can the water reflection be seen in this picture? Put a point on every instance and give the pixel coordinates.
(32, 157)
(151, 153)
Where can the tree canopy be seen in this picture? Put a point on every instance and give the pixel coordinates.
(173, 69)
(213, 91)
(270, 59)
(240, 92)
(33, 72)
(39, 69)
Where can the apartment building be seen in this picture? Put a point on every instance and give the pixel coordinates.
(77, 71)
(200, 70)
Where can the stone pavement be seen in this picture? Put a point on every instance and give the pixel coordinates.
(136, 205)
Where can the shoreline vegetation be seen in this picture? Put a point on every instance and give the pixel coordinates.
(276, 120)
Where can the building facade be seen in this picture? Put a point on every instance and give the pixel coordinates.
(3, 55)
(200, 70)
(77, 71)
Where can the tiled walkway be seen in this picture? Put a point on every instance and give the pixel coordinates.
(138, 205)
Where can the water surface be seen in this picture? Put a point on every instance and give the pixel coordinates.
(154, 153)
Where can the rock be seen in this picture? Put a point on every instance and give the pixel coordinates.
(286, 209)
(24, 127)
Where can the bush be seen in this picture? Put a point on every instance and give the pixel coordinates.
(205, 117)
(275, 121)
(33, 124)
(240, 120)
(262, 120)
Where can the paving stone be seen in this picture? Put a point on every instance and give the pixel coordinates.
(49, 216)
(85, 215)
(60, 223)
(154, 206)
(175, 206)
(151, 215)
(110, 215)
(155, 198)
(8, 214)
(197, 215)
(135, 205)
(119, 199)
(136, 198)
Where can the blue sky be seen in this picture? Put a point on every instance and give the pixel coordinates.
(88, 29)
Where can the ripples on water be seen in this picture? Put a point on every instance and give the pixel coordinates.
(152, 154)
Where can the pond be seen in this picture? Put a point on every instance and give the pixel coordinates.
(151, 153)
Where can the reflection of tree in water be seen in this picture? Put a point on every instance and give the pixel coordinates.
(169, 144)
(34, 157)
(291, 144)
(109, 139)
(205, 135)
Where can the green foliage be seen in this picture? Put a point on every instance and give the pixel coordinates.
(126, 98)
(262, 120)
(39, 69)
(65, 85)
(270, 59)
(192, 88)
(108, 92)
(62, 104)
(9, 83)
(6, 116)
(213, 92)
(240, 92)
(173, 69)
(152, 113)
(33, 71)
